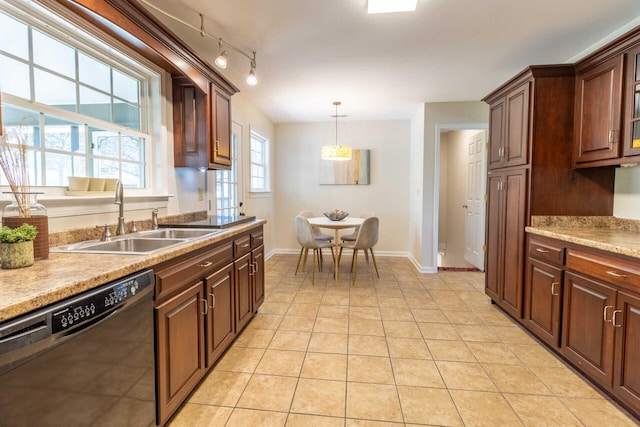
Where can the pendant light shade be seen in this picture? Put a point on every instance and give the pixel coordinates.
(336, 152)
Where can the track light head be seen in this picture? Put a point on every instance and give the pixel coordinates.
(221, 60)
(252, 80)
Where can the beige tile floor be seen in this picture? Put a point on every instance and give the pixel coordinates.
(406, 349)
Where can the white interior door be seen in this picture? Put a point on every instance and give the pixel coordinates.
(475, 203)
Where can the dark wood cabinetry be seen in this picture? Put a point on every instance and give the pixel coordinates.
(626, 375)
(530, 172)
(203, 300)
(543, 290)
(180, 351)
(598, 111)
(202, 126)
(631, 130)
(505, 241)
(510, 129)
(220, 318)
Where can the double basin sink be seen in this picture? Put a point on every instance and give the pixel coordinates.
(142, 242)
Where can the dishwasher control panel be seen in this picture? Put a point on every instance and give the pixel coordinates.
(98, 303)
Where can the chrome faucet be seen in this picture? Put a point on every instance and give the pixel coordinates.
(120, 230)
(154, 219)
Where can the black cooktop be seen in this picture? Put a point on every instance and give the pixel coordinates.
(213, 221)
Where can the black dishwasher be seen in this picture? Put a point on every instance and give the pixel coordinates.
(85, 361)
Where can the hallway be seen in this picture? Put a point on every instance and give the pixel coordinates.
(407, 349)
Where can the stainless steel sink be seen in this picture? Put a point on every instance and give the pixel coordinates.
(142, 242)
(177, 233)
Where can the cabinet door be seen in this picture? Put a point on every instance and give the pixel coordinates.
(180, 349)
(626, 381)
(587, 333)
(631, 135)
(515, 202)
(243, 279)
(597, 112)
(220, 316)
(497, 113)
(189, 124)
(258, 277)
(543, 297)
(220, 151)
(515, 151)
(493, 269)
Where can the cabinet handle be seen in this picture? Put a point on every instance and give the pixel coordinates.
(246, 245)
(553, 288)
(255, 266)
(252, 269)
(205, 264)
(213, 301)
(614, 274)
(612, 136)
(206, 307)
(604, 312)
(217, 146)
(614, 318)
(542, 251)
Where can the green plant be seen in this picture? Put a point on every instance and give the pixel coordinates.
(24, 233)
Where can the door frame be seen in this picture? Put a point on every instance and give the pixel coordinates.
(441, 127)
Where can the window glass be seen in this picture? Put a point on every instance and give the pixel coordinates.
(95, 104)
(94, 73)
(53, 55)
(53, 90)
(14, 77)
(79, 109)
(259, 163)
(13, 37)
(125, 87)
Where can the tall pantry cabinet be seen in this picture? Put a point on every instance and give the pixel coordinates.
(530, 173)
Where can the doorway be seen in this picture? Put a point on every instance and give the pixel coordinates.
(461, 198)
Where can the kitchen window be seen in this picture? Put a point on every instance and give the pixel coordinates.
(259, 163)
(80, 105)
(227, 181)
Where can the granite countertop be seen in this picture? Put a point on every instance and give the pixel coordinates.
(62, 275)
(609, 234)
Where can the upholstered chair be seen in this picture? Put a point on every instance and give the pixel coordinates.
(366, 239)
(307, 240)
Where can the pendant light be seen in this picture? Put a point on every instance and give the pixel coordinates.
(336, 152)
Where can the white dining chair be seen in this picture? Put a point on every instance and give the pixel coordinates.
(366, 239)
(352, 237)
(319, 235)
(307, 240)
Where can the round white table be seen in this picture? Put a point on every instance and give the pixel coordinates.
(324, 222)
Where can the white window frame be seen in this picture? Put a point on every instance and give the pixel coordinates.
(233, 184)
(259, 164)
(86, 40)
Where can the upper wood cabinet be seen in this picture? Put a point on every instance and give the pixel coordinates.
(201, 126)
(509, 129)
(598, 111)
(631, 130)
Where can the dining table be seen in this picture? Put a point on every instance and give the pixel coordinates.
(324, 222)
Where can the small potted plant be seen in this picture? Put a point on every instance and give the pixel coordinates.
(16, 246)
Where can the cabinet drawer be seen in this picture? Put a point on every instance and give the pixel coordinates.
(546, 250)
(257, 239)
(171, 278)
(609, 269)
(241, 246)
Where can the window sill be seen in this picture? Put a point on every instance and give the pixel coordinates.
(259, 194)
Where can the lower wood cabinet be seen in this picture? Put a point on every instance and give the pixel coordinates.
(587, 337)
(180, 352)
(220, 318)
(202, 302)
(585, 304)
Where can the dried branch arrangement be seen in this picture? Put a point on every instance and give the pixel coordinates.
(14, 165)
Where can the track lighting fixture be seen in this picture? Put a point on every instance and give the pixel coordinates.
(221, 59)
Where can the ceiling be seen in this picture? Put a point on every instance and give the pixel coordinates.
(382, 67)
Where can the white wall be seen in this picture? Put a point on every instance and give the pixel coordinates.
(441, 115)
(416, 186)
(297, 179)
(262, 205)
(626, 198)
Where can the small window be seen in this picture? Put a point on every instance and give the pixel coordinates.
(259, 163)
(227, 184)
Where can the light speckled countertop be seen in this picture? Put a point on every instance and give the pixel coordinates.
(65, 274)
(609, 234)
